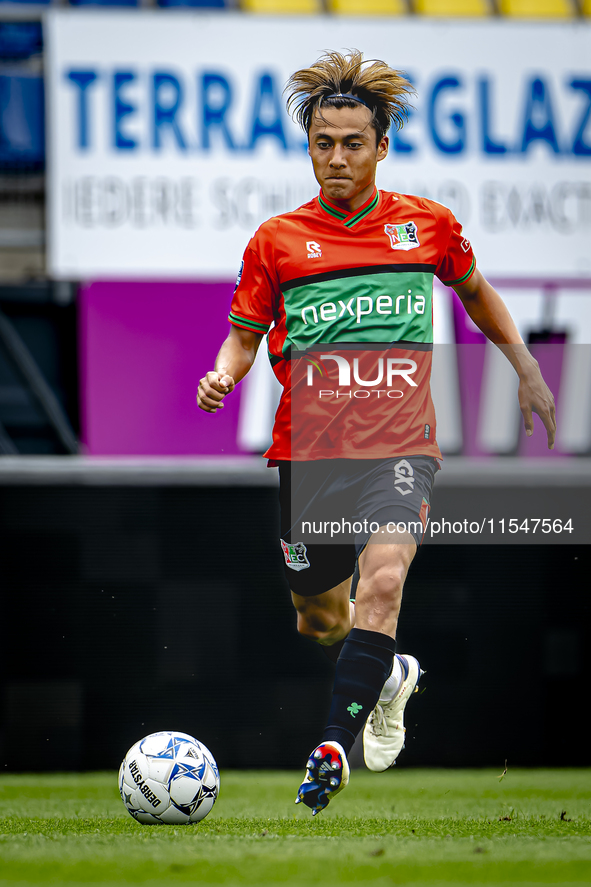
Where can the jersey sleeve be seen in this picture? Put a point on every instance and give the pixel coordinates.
(457, 263)
(256, 293)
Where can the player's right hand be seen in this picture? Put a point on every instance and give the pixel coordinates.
(212, 390)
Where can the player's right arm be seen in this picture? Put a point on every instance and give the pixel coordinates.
(235, 358)
(251, 314)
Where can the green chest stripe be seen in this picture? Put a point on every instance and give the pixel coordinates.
(368, 308)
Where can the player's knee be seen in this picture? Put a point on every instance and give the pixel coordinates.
(319, 626)
(384, 585)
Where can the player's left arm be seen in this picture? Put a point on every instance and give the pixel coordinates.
(488, 311)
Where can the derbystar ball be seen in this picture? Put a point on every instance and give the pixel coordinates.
(170, 778)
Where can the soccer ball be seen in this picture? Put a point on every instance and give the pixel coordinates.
(169, 777)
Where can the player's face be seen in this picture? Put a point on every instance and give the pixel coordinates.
(342, 145)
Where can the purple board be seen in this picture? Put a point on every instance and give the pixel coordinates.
(143, 349)
(470, 357)
(144, 346)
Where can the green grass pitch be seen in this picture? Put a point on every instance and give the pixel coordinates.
(418, 827)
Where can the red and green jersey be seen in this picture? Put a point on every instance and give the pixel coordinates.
(347, 301)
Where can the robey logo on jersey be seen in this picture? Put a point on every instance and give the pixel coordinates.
(314, 249)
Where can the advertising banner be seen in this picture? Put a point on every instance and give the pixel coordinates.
(169, 142)
(144, 346)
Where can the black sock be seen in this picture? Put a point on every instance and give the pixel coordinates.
(334, 651)
(362, 669)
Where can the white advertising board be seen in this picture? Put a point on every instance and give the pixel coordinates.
(168, 140)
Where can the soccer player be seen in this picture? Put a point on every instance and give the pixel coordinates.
(343, 285)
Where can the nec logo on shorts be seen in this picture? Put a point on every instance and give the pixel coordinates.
(314, 249)
(295, 555)
(404, 480)
(403, 236)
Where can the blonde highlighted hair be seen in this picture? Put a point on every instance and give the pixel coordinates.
(334, 78)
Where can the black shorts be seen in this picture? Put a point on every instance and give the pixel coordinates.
(331, 507)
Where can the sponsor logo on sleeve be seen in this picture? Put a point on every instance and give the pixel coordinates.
(403, 236)
(239, 278)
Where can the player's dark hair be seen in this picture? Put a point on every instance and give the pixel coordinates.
(336, 81)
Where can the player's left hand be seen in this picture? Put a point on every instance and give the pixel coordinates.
(535, 397)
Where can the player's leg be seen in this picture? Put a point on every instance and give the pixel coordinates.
(383, 571)
(368, 670)
(326, 618)
(383, 567)
(319, 575)
(404, 505)
(368, 653)
(363, 667)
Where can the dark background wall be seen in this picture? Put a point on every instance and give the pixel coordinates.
(129, 610)
(42, 317)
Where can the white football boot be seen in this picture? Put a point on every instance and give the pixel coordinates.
(383, 735)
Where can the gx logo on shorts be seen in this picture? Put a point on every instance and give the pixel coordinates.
(404, 477)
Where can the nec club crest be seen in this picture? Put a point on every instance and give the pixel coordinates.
(403, 236)
(295, 555)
